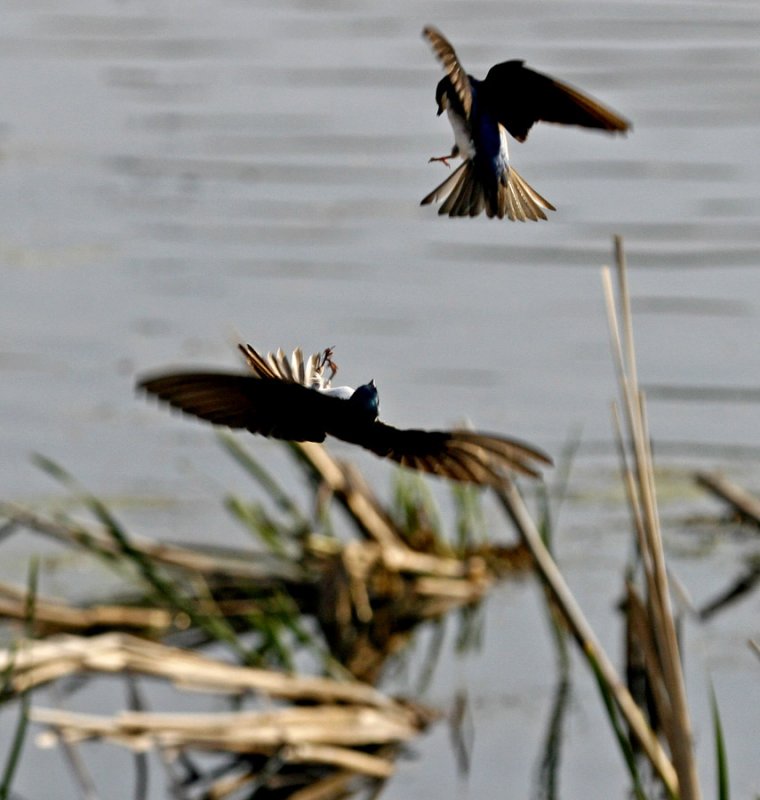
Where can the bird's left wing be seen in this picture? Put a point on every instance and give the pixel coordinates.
(462, 455)
(520, 97)
(454, 70)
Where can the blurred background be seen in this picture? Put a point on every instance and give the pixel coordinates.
(176, 177)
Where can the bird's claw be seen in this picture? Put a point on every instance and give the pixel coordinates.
(443, 159)
(328, 362)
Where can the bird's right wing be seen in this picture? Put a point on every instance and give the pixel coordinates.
(454, 70)
(266, 406)
(462, 455)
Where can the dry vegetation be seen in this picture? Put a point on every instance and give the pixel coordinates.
(235, 624)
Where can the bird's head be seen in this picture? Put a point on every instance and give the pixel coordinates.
(367, 398)
(441, 95)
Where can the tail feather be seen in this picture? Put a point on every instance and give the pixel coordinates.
(464, 195)
(509, 200)
(443, 189)
(521, 199)
(531, 196)
(451, 203)
(469, 195)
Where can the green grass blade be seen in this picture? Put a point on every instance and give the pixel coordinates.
(548, 777)
(550, 500)
(721, 761)
(264, 478)
(414, 509)
(254, 517)
(214, 625)
(17, 745)
(621, 734)
(471, 527)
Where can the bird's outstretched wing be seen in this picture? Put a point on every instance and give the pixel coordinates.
(454, 70)
(463, 455)
(268, 406)
(520, 97)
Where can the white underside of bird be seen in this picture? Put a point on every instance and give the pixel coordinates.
(464, 146)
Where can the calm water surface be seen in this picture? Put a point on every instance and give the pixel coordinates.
(175, 177)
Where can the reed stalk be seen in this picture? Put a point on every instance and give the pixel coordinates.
(638, 475)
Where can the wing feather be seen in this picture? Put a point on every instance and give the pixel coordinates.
(459, 454)
(520, 97)
(454, 70)
(283, 365)
(256, 363)
(276, 366)
(299, 373)
(472, 469)
(269, 407)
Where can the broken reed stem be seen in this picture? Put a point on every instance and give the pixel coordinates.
(35, 663)
(95, 539)
(643, 497)
(54, 615)
(625, 303)
(745, 504)
(361, 504)
(514, 505)
(357, 497)
(329, 735)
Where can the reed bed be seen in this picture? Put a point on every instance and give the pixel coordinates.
(348, 603)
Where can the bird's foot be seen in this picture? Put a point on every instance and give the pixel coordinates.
(443, 159)
(328, 362)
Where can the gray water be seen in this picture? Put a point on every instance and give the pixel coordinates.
(175, 177)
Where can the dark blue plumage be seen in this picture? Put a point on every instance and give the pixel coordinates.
(367, 398)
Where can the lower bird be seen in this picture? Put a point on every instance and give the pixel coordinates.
(294, 400)
(481, 112)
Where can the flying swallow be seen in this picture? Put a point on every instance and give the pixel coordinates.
(510, 100)
(294, 400)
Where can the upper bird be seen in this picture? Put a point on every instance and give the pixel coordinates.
(294, 400)
(510, 99)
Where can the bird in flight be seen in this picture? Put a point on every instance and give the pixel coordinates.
(294, 400)
(510, 100)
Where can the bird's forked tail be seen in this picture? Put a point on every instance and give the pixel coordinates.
(464, 195)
